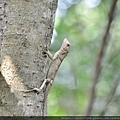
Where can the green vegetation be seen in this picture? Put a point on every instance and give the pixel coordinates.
(84, 27)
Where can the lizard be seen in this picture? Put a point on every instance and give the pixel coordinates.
(55, 64)
(57, 59)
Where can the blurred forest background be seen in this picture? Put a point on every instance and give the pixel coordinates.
(89, 26)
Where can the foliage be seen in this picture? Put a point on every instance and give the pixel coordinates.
(84, 27)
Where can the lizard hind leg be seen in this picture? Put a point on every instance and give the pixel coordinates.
(44, 85)
(38, 90)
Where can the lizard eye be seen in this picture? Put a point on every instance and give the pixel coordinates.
(68, 45)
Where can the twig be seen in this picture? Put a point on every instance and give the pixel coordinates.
(110, 96)
(97, 68)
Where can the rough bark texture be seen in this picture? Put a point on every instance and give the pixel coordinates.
(25, 31)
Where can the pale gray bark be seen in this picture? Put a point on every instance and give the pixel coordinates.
(25, 31)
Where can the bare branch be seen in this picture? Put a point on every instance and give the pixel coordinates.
(97, 67)
(110, 96)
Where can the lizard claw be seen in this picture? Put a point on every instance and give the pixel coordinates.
(44, 53)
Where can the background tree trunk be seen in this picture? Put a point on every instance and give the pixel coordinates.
(25, 31)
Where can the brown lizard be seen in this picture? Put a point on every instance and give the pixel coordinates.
(56, 61)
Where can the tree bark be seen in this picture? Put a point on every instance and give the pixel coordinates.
(25, 32)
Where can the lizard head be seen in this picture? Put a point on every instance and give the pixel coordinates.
(66, 45)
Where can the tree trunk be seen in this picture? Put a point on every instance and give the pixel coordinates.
(25, 32)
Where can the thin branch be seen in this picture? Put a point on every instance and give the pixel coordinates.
(117, 97)
(110, 96)
(114, 55)
(97, 68)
